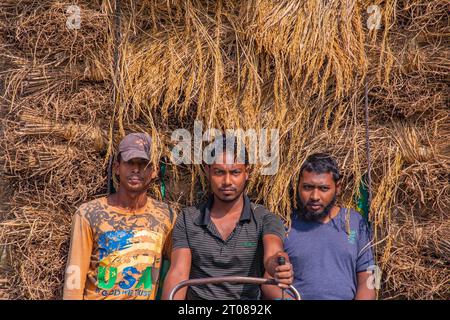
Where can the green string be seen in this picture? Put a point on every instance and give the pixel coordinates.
(163, 184)
(362, 201)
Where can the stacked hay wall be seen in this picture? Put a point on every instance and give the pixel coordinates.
(296, 66)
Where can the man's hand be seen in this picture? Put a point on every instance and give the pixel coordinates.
(283, 273)
(273, 249)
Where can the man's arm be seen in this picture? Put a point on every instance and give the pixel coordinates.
(179, 270)
(273, 249)
(81, 242)
(363, 292)
(180, 261)
(363, 262)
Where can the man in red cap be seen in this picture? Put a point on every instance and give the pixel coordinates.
(118, 242)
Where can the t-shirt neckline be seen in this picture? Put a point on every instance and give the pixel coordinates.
(328, 223)
(125, 211)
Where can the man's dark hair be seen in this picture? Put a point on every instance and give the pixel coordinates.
(226, 142)
(321, 163)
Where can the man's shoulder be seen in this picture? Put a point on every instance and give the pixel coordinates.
(352, 214)
(259, 209)
(356, 219)
(159, 206)
(162, 211)
(193, 211)
(88, 208)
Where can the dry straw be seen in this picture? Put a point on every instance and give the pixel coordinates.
(295, 66)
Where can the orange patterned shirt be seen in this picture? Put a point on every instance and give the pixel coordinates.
(115, 253)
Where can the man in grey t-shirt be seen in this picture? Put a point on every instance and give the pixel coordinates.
(329, 247)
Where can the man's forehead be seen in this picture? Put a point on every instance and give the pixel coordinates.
(228, 166)
(227, 158)
(316, 177)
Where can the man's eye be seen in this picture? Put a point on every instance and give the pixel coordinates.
(324, 188)
(235, 173)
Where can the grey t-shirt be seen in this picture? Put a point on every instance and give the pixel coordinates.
(327, 257)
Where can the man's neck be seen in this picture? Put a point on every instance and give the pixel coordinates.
(333, 213)
(221, 208)
(128, 200)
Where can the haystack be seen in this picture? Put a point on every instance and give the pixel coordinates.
(301, 67)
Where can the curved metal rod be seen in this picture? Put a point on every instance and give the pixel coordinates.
(249, 280)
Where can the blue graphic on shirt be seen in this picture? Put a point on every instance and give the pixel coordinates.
(352, 237)
(111, 241)
(110, 275)
(127, 276)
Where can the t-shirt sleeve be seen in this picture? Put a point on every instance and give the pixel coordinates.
(179, 235)
(272, 224)
(365, 254)
(81, 242)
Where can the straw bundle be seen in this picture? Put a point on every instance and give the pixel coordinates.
(299, 67)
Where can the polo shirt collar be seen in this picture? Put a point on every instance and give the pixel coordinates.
(205, 215)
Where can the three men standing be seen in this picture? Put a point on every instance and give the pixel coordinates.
(118, 242)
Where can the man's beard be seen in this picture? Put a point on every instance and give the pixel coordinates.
(238, 194)
(313, 216)
(229, 200)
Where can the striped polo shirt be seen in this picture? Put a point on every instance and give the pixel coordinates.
(241, 254)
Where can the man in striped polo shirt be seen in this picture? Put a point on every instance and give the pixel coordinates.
(226, 236)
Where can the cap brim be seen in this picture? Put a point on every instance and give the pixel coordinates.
(133, 154)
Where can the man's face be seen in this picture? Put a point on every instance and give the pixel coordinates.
(135, 175)
(317, 194)
(227, 179)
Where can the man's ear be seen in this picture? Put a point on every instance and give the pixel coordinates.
(154, 173)
(116, 165)
(206, 168)
(248, 171)
(338, 187)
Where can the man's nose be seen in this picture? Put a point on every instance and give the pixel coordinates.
(315, 195)
(226, 179)
(135, 168)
